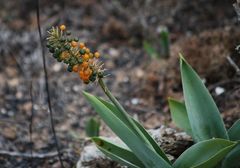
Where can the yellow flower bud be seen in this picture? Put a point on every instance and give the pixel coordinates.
(87, 50)
(97, 54)
(62, 27)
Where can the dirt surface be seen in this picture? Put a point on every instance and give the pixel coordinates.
(206, 32)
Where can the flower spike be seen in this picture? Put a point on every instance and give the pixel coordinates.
(75, 54)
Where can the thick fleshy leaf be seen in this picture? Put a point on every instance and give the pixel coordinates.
(203, 114)
(117, 152)
(92, 127)
(232, 160)
(125, 119)
(205, 154)
(234, 131)
(149, 158)
(145, 133)
(152, 141)
(115, 111)
(179, 115)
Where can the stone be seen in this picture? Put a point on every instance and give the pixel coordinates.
(173, 142)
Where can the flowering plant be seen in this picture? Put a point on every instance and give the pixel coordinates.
(76, 55)
(199, 116)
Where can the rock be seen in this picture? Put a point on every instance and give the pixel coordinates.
(171, 141)
(56, 67)
(9, 133)
(91, 157)
(13, 82)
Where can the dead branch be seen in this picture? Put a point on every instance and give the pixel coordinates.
(28, 155)
(234, 65)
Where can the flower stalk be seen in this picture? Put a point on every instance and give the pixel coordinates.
(122, 111)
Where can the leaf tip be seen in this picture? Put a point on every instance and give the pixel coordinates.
(86, 94)
(182, 59)
(94, 139)
(98, 141)
(170, 100)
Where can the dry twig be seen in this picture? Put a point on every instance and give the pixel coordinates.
(28, 155)
(234, 65)
(46, 84)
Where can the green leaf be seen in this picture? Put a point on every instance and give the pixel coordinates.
(164, 42)
(118, 152)
(92, 127)
(149, 49)
(142, 151)
(203, 114)
(145, 133)
(205, 154)
(115, 111)
(232, 160)
(123, 118)
(234, 131)
(152, 141)
(179, 115)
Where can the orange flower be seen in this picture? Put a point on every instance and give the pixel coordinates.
(81, 74)
(75, 68)
(85, 78)
(86, 57)
(88, 72)
(81, 45)
(74, 44)
(85, 64)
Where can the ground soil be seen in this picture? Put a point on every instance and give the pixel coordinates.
(205, 31)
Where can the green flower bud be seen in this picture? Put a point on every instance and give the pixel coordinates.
(66, 61)
(94, 73)
(80, 60)
(48, 45)
(100, 75)
(59, 59)
(68, 33)
(73, 61)
(56, 53)
(62, 39)
(67, 47)
(82, 51)
(69, 68)
(51, 49)
(92, 78)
